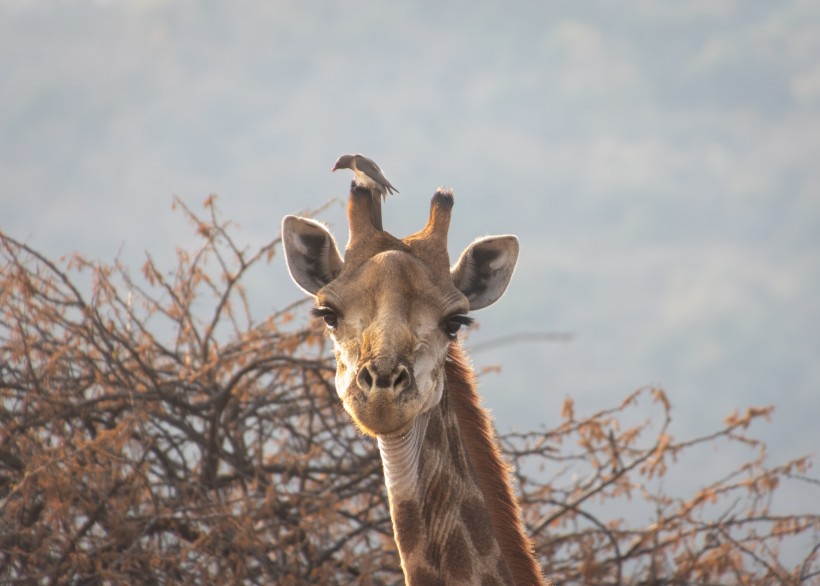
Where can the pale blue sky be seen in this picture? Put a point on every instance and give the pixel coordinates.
(659, 161)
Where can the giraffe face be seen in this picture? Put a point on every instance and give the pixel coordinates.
(393, 307)
(391, 324)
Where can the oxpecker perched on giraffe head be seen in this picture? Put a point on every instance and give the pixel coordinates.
(367, 173)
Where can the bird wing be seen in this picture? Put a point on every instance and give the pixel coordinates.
(371, 169)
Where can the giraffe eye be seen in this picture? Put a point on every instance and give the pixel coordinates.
(328, 314)
(454, 323)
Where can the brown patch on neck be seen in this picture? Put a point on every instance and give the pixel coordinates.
(492, 474)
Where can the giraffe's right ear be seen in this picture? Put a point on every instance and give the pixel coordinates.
(311, 253)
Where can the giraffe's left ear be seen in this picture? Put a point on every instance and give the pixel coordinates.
(311, 253)
(485, 268)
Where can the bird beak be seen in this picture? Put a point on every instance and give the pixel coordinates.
(334, 168)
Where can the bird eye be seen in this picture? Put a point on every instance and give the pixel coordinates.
(329, 315)
(454, 323)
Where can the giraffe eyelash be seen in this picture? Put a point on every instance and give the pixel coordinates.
(454, 323)
(328, 314)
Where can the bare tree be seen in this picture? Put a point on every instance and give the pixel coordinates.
(153, 431)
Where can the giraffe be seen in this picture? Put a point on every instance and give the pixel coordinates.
(393, 309)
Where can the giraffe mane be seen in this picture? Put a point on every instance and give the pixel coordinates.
(492, 474)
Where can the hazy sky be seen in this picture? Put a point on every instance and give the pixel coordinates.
(660, 162)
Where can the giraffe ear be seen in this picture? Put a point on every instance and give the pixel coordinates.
(485, 268)
(311, 253)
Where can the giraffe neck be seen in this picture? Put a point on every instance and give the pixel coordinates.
(440, 519)
(492, 473)
(446, 530)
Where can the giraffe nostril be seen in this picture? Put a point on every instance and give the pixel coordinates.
(402, 380)
(365, 379)
(396, 378)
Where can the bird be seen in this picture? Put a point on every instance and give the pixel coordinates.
(368, 174)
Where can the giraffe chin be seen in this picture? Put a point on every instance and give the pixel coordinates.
(384, 413)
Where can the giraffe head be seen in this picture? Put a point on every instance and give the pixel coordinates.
(393, 306)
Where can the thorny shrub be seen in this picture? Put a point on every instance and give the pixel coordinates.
(153, 431)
